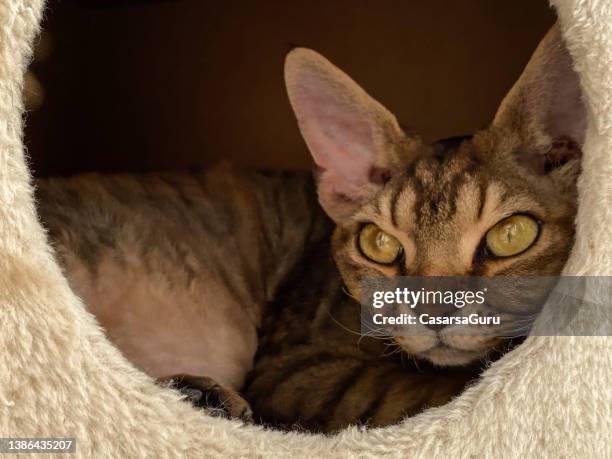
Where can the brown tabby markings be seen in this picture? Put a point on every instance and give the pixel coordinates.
(194, 274)
(440, 209)
(315, 372)
(312, 368)
(178, 268)
(439, 201)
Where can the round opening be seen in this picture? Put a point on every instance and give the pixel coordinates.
(229, 285)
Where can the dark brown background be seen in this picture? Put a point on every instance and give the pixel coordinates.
(166, 85)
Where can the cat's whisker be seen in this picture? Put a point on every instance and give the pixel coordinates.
(361, 335)
(395, 350)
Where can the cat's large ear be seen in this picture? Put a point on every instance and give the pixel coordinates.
(356, 143)
(545, 106)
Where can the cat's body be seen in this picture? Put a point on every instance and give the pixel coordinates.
(235, 278)
(182, 275)
(178, 268)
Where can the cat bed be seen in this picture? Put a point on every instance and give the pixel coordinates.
(61, 378)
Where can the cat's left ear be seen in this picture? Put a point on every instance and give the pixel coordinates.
(545, 107)
(356, 143)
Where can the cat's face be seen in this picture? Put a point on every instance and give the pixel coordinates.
(442, 217)
(500, 203)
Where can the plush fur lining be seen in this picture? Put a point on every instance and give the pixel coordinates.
(59, 376)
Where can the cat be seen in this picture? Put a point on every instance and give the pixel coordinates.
(238, 287)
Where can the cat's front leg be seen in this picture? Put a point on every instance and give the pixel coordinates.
(206, 393)
(325, 390)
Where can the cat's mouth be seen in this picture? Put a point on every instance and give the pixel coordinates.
(440, 352)
(445, 355)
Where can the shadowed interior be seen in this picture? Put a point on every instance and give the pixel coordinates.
(174, 84)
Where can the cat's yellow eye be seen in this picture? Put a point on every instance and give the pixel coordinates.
(512, 235)
(377, 245)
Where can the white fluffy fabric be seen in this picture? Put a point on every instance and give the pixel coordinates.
(59, 376)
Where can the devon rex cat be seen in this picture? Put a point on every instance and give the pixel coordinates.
(241, 281)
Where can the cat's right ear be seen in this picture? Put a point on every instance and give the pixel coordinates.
(356, 143)
(545, 107)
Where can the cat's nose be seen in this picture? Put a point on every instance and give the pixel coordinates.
(434, 315)
(435, 326)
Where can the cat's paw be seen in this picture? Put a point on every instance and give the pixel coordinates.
(206, 393)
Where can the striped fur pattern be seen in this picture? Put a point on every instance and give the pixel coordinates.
(323, 376)
(194, 246)
(178, 268)
(440, 208)
(242, 282)
(315, 371)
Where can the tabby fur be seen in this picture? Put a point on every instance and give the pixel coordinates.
(242, 281)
